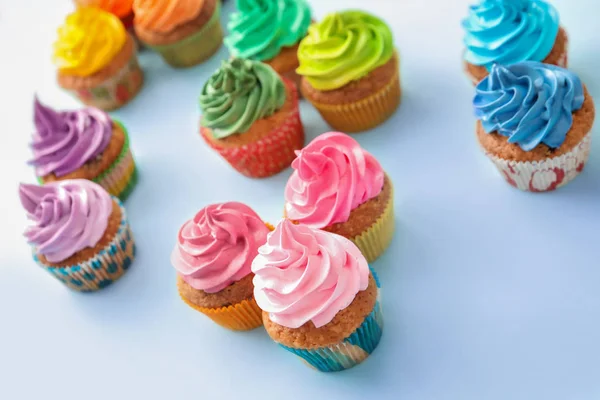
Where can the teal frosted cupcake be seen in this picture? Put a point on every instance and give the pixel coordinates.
(269, 31)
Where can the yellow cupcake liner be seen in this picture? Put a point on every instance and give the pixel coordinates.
(196, 48)
(377, 238)
(363, 114)
(243, 316)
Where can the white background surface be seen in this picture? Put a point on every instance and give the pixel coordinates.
(489, 293)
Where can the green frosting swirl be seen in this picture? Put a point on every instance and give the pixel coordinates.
(344, 47)
(238, 94)
(260, 28)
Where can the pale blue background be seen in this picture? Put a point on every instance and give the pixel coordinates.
(489, 293)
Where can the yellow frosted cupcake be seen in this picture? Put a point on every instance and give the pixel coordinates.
(350, 70)
(96, 59)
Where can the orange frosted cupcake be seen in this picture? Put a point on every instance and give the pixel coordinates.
(269, 31)
(341, 188)
(250, 117)
(350, 70)
(213, 255)
(97, 60)
(184, 32)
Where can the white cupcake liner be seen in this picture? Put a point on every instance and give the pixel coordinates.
(546, 175)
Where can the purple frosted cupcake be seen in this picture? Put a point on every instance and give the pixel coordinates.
(79, 233)
(82, 144)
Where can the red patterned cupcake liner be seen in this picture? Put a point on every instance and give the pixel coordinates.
(270, 154)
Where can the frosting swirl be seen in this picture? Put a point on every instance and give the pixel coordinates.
(509, 31)
(332, 176)
(238, 94)
(165, 15)
(529, 102)
(305, 275)
(121, 8)
(217, 246)
(64, 141)
(260, 28)
(87, 41)
(344, 47)
(67, 216)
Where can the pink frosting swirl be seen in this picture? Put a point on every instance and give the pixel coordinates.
(67, 216)
(217, 246)
(303, 274)
(333, 175)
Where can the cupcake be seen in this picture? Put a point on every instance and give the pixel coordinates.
(534, 123)
(120, 8)
(212, 257)
(350, 70)
(82, 144)
(318, 298)
(79, 233)
(96, 59)
(269, 31)
(250, 117)
(510, 31)
(341, 188)
(184, 32)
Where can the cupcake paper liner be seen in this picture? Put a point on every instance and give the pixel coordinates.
(196, 48)
(120, 177)
(377, 238)
(363, 114)
(548, 174)
(117, 90)
(103, 268)
(243, 316)
(271, 154)
(352, 350)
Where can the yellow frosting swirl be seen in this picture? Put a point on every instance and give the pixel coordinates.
(87, 41)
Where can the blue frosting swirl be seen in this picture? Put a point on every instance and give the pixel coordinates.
(529, 102)
(509, 31)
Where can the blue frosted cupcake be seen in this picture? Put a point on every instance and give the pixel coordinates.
(79, 233)
(510, 31)
(319, 299)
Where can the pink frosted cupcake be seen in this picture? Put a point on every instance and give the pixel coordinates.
(212, 257)
(318, 298)
(339, 187)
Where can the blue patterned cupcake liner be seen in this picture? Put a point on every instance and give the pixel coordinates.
(103, 268)
(351, 351)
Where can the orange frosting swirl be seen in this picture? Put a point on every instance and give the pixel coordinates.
(120, 8)
(165, 15)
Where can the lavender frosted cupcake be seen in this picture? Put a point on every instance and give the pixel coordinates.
(82, 144)
(79, 233)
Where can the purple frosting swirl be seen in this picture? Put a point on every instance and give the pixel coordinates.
(65, 140)
(67, 216)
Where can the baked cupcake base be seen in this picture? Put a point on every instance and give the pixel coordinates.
(362, 104)
(95, 268)
(113, 86)
(115, 170)
(542, 169)
(558, 56)
(286, 63)
(268, 147)
(192, 43)
(326, 348)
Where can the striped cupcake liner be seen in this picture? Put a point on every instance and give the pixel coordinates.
(115, 91)
(195, 48)
(377, 238)
(548, 174)
(103, 268)
(351, 351)
(243, 316)
(364, 114)
(272, 153)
